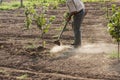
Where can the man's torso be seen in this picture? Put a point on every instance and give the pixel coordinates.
(75, 5)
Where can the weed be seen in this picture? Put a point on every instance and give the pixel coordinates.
(113, 55)
(55, 5)
(32, 46)
(23, 76)
(61, 1)
(2, 71)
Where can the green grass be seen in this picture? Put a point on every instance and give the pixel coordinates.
(113, 55)
(16, 4)
(7, 6)
(22, 77)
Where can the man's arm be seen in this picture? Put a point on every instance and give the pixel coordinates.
(70, 15)
(73, 13)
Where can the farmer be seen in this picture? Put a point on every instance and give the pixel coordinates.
(77, 10)
(0, 1)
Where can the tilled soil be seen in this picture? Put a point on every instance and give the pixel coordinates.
(21, 56)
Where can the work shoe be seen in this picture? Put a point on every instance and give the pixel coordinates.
(75, 45)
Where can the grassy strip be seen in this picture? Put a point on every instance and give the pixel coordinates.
(16, 4)
(7, 6)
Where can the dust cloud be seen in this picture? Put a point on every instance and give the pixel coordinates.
(88, 48)
(57, 49)
(96, 48)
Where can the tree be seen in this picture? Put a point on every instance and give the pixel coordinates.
(41, 21)
(114, 24)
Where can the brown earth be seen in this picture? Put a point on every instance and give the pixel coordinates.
(22, 58)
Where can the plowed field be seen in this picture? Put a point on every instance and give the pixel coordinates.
(22, 58)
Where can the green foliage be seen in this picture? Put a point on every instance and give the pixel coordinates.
(61, 1)
(55, 5)
(16, 4)
(28, 22)
(66, 15)
(113, 55)
(25, 76)
(52, 18)
(8, 6)
(41, 21)
(29, 13)
(30, 46)
(114, 23)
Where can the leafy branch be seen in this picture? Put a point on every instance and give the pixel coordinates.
(114, 24)
(41, 21)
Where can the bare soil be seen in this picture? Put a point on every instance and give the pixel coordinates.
(21, 56)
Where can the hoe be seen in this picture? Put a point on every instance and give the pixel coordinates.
(57, 42)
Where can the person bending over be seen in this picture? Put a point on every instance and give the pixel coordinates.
(77, 10)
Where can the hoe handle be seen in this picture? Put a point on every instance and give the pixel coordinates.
(63, 30)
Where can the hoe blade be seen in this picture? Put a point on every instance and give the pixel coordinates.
(57, 42)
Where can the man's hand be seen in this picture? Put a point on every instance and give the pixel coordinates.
(68, 19)
(70, 15)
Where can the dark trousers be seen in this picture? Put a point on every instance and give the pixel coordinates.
(76, 25)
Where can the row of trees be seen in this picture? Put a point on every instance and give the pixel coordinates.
(21, 2)
(43, 23)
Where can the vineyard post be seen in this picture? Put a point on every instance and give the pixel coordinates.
(21, 3)
(118, 50)
(118, 43)
(107, 10)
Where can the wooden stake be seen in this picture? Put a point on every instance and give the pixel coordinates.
(21, 1)
(118, 51)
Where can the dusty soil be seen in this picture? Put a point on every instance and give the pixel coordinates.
(22, 58)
